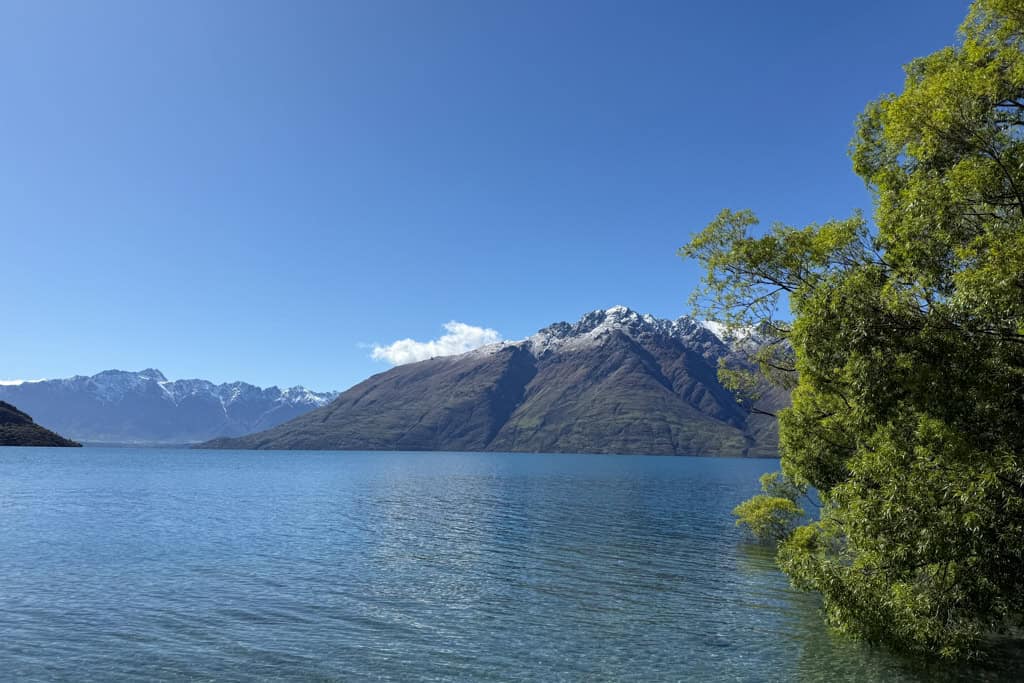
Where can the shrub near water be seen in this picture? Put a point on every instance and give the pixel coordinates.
(774, 514)
(905, 351)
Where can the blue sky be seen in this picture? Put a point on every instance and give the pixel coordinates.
(264, 190)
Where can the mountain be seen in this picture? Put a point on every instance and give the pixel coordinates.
(613, 382)
(18, 429)
(146, 408)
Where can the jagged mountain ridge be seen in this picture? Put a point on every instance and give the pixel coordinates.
(17, 428)
(115, 406)
(613, 382)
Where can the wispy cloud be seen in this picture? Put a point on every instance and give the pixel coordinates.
(460, 338)
(16, 382)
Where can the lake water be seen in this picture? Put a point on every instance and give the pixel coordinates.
(125, 564)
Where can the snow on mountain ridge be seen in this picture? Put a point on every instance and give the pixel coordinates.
(116, 406)
(113, 385)
(593, 326)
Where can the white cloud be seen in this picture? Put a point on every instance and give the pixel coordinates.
(460, 338)
(16, 382)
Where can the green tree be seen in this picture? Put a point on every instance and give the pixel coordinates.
(904, 348)
(772, 515)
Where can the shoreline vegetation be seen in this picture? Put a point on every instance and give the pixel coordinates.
(19, 429)
(902, 342)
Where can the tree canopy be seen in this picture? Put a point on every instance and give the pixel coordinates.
(904, 349)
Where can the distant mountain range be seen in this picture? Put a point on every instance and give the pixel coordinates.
(146, 408)
(613, 382)
(18, 429)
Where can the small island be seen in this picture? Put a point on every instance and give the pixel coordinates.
(19, 429)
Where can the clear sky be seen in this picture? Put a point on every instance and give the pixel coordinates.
(264, 190)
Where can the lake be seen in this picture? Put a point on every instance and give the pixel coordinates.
(130, 564)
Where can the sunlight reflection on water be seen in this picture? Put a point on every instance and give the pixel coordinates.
(141, 564)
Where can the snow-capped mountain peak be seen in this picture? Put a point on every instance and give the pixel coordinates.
(144, 406)
(594, 326)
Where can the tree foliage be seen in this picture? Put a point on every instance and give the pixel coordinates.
(773, 515)
(904, 347)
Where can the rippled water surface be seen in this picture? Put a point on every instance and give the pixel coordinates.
(123, 564)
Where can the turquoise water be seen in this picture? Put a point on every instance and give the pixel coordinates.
(124, 564)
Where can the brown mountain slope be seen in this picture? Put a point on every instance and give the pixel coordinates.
(614, 382)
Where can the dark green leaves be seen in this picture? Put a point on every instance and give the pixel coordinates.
(904, 349)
